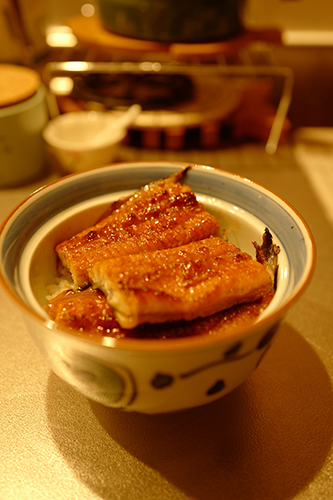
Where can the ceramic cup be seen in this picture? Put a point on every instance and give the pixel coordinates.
(22, 155)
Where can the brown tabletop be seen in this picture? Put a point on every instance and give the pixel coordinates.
(269, 439)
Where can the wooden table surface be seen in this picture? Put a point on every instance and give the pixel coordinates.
(271, 438)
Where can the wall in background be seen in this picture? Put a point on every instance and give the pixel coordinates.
(312, 104)
(312, 64)
(290, 14)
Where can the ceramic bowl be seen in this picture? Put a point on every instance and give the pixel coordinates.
(70, 142)
(150, 376)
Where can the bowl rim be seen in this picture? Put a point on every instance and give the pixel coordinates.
(172, 344)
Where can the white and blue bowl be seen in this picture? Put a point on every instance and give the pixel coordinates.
(150, 376)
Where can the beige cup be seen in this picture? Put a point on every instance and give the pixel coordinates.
(22, 151)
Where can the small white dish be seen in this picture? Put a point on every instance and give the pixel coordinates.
(72, 140)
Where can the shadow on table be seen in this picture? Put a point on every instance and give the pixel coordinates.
(267, 439)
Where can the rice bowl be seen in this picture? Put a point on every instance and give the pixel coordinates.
(150, 376)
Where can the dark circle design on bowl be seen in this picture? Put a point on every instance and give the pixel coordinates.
(161, 380)
(267, 337)
(217, 387)
(233, 350)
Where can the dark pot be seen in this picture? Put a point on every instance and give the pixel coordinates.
(171, 21)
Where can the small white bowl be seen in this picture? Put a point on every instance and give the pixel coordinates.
(70, 140)
(149, 375)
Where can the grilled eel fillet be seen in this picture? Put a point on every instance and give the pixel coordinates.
(267, 254)
(162, 214)
(89, 312)
(194, 280)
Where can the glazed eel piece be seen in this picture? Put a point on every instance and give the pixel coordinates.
(89, 312)
(184, 283)
(163, 214)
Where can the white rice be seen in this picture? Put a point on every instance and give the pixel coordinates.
(60, 285)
